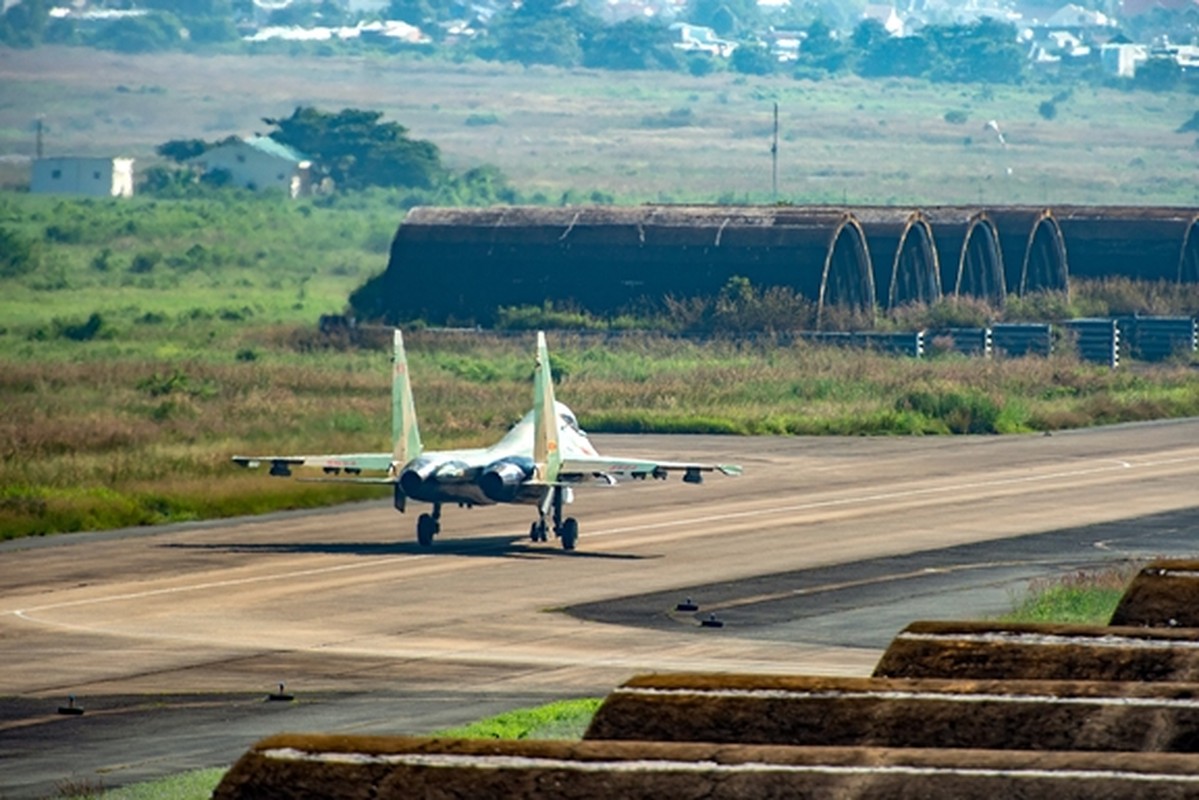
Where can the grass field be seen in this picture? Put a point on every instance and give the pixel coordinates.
(558, 131)
(151, 339)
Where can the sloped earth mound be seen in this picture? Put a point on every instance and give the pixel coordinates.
(291, 766)
(1164, 594)
(866, 712)
(995, 651)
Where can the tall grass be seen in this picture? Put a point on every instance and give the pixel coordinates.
(1085, 597)
(97, 437)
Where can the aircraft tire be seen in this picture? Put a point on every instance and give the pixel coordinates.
(569, 533)
(426, 527)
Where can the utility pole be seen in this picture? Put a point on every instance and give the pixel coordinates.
(38, 144)
(774, 157)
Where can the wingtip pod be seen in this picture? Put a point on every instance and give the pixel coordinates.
(405, 434)
(732, 470)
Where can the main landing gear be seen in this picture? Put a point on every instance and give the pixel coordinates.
(428, 526)
(567, 530)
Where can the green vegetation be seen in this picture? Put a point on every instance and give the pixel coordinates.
(195, 785)
(566, 719)
(145, 342)
(1087, 597)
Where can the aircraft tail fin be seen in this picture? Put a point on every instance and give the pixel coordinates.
(405, 436)
(547, 457)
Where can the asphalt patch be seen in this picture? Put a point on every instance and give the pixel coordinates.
(864, 603)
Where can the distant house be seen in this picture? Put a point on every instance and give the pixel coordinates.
(92, 177)
(259, 163)
(699, 39)
(1122, 60)
(886, 16)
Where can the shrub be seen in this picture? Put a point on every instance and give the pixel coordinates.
(18, 255)
(478, 120)
(80, 331)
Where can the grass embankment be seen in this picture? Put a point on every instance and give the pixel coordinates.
(1086, 597)
(565, 719)
(109, 434)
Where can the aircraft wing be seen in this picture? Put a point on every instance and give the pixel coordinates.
(350, 463)
(617, 467)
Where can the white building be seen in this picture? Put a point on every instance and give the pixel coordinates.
(92, 177)
(259, 163)
(697, 38)
(886, 16)
(1122, 60)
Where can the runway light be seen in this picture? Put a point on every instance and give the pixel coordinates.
(70, 708)
(280, 696)
(687, 605)
(712, 622)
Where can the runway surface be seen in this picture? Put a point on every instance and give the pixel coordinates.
(171, 637)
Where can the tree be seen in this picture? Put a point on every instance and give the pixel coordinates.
(869, 33)
(24, 24)
(546, 41)
(144, 34)
(821, 51)
(540, 32)
(355, 149)
(986, 51)
(180, 150)
(631, 44)
(752, 58)
(726, 17)
(1158, 75)
(908, 56)
(18, 255)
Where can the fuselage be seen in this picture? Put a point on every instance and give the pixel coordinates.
(490, 475)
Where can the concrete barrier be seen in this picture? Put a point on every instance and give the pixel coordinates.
(1164, 594)
(350, 768)
(876, 712)
(988, 650)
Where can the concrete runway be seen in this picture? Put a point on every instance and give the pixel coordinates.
(171, 637)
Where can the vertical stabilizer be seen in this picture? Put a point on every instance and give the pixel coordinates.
(405, 437)
(546, 455)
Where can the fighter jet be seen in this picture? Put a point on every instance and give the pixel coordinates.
(538, 462)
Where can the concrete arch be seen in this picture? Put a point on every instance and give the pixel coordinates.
(1045, 266)
(1188, 258)
(916, 267)
(1034, 249)
(847, 278)
(980, 262)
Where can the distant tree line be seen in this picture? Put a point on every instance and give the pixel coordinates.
(835, 38)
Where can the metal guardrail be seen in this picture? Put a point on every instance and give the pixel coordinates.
(968, 341)
(1098, 340)
(1158, 338)
(1018, 339)
(908, 343)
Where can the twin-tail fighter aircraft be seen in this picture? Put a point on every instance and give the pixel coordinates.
(538, 462)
